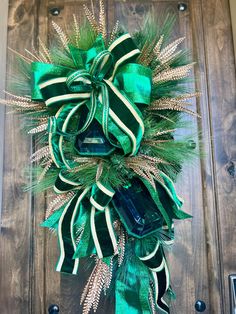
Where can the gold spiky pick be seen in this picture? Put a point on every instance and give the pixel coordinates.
(157, 47)
(173, 74)
(38, 129)
(58, 202)
(40, 154)
(76, 30)
(22, 105)
(145, 167)
(46, 168)
(35, 56)
(99, 279)
(177, 103)
(169, 50)
(91, 18)
(114, 32)
(147, 54)
(102, 20)
(28, 60)
(16, 97)
(45, 53)
(62, 36)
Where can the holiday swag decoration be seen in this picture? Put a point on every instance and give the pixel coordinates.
(104, 110)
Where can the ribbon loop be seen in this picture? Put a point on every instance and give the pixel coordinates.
(79, 81)
(101, 196)
(102, 63)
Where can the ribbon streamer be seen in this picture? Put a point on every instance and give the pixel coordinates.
(101, 227)
(156, 262)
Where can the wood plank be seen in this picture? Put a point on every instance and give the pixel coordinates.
(3, 49)
(16, 232)
(207, 168)
(233, 21)
(222, 94)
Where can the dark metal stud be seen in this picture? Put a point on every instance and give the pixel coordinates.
(55, 11)
(182, 7)
(200, 306)
(53, 309)
(230, 168)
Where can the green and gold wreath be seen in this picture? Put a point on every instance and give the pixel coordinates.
(104, 110)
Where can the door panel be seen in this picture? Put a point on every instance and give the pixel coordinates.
(203, 254)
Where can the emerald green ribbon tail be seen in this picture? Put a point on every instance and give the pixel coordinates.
(131, 289)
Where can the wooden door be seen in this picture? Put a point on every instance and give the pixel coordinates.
(204, 253)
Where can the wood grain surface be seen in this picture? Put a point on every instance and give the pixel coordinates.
(204, 253)
(17, 213)
(3, 53)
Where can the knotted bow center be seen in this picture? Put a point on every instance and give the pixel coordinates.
(83, 81)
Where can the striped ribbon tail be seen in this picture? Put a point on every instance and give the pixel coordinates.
(66, 236)
(123, 50)
(101, 221)
(126, 116)
(156, 262)
(64, 184)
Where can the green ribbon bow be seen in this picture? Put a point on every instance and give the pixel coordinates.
(107, 83)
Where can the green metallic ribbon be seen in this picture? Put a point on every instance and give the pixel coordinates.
(108, 84)
(132, 292)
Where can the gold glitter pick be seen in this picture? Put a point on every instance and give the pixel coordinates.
(63, 37)
(177, 103)
(40, 154)
(151, 298)
(173, 74)
(45, 170)
(147, 53)
(16, 97)
(167, 53)
(58, 202)
(145, 168)
(102, 20)
(122, 237)
(45, 53)
(76, 30)
(38, 129)
(22, 105)
(114, 32)
(79, 233)
(99, 279)
(157, 48)
(91, 18)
